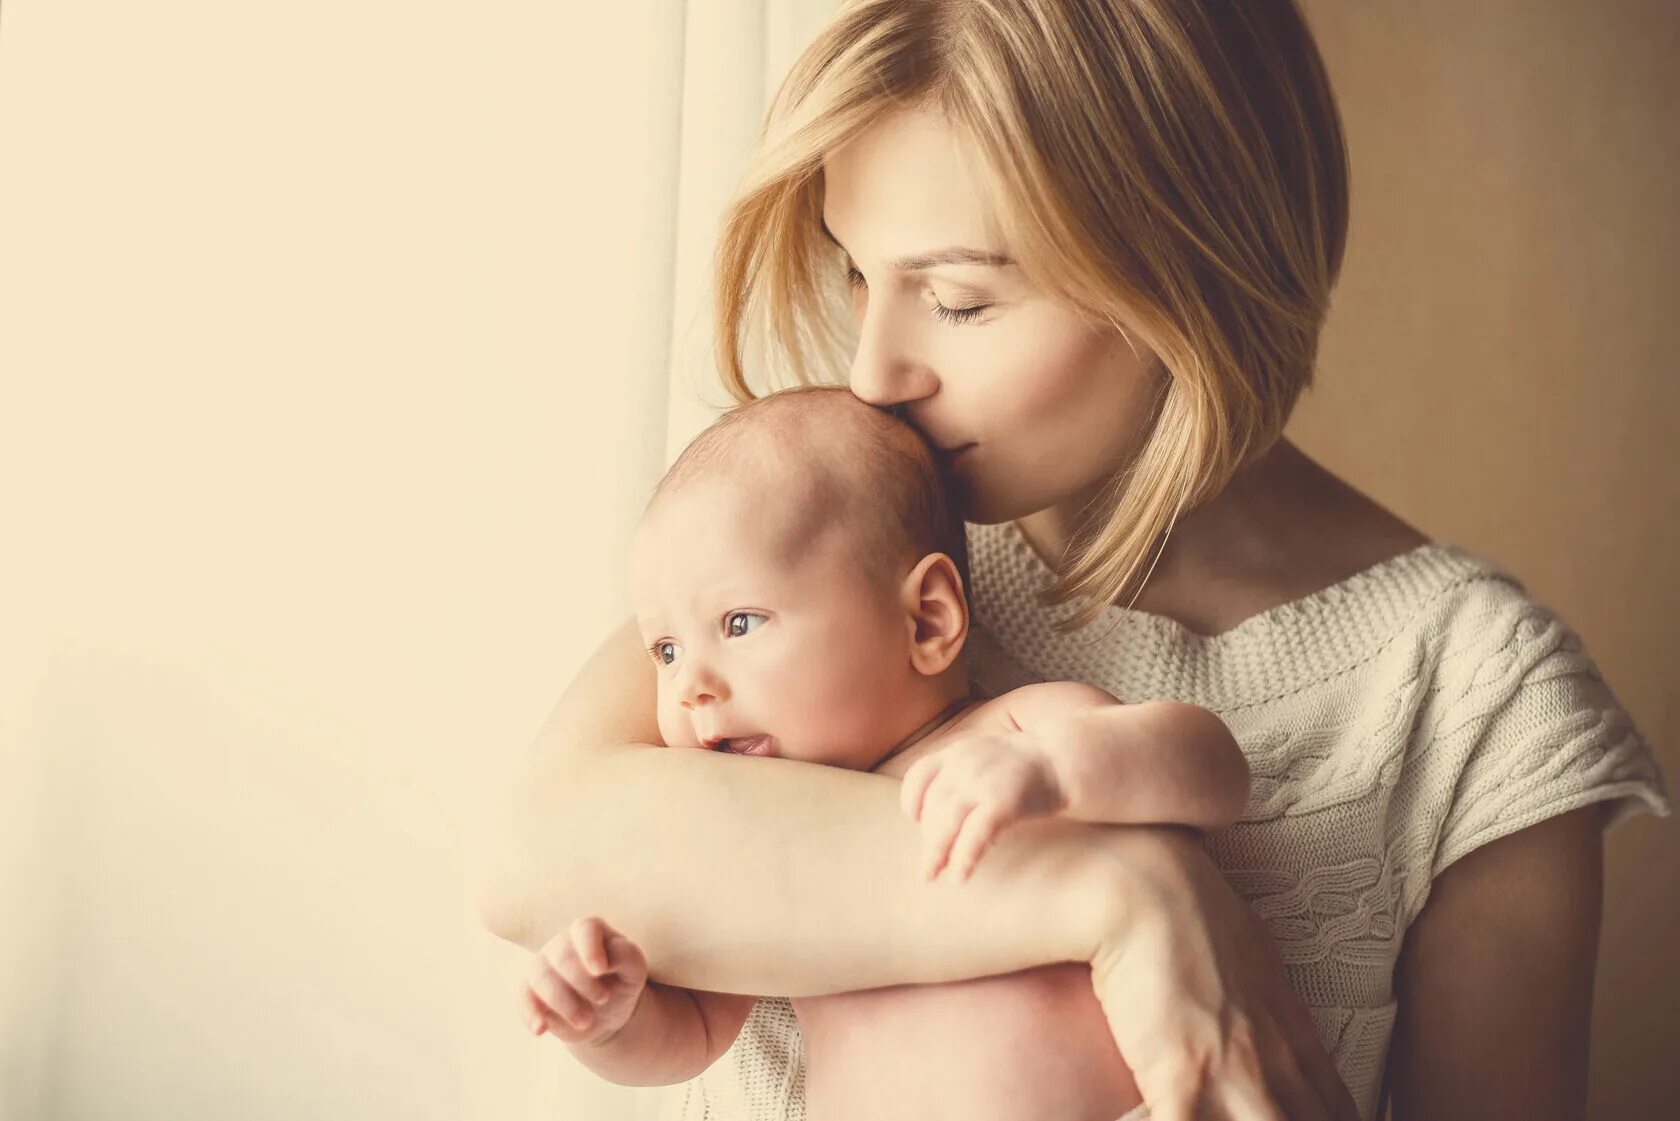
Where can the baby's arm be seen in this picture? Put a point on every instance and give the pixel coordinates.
(1156, 762)
(1066, 749)
(589, 988)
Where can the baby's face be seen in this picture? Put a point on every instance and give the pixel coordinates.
(764, 637)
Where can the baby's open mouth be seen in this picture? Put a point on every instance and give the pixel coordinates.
(746, 745)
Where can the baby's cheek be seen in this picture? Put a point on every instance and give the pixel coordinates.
(850, 710)
(673, 729)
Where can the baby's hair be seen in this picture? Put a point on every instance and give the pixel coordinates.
(892, 491)
(1172, 168)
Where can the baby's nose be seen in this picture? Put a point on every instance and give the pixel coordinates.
(700, 685)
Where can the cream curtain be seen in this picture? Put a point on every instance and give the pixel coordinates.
(340, 342)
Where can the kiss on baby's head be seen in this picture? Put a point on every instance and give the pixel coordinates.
(798, 576)
(832, 463)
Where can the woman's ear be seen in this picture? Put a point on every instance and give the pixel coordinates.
(936, 612)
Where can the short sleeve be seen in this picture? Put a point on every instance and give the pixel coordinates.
(1537, 733)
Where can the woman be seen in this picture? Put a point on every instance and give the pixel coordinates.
(1091, 245)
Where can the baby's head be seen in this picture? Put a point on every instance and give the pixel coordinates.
(799, 574)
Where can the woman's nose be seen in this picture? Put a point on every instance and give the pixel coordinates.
(886, 371)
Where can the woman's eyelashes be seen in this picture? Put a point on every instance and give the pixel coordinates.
(658, 650)
(950, 315)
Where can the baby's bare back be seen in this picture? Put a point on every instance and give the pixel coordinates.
(1025, 1046)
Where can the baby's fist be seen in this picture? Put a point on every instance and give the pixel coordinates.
(584, 983)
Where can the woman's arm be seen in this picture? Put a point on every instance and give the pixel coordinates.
(769, 876)
(707, 862)
(1495, 979)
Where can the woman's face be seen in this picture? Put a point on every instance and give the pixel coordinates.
(1045, 404)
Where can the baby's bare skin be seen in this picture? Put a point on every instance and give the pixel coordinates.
(1025, 1046)
(775, 632)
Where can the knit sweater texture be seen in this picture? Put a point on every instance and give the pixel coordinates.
(1393, 722)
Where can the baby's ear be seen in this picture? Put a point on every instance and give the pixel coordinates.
(936, 613)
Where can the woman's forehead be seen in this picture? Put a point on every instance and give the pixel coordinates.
(902, 187)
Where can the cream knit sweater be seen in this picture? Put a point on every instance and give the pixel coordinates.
(1393, 722)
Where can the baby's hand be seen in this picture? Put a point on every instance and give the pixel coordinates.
(965, 794)
(584, 983)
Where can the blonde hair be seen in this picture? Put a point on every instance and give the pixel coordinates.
(1173, 166)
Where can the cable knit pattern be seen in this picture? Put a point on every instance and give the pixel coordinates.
(1393, 722)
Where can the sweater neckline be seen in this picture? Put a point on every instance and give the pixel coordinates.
(1345, 618)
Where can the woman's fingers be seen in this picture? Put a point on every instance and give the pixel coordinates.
(1326, 1082)
(1288, 1099)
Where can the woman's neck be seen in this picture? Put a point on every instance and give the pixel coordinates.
(1240, 518)
(1281, 528)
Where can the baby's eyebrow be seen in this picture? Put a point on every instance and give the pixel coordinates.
(921, 262)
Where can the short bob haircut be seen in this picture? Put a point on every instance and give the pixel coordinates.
(1174, 168)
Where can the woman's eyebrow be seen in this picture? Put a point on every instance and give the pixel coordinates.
(920, 262)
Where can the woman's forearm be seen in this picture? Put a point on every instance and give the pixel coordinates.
(774, 877)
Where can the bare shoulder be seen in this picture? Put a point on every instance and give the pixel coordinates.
(1285, 530)
(1351, 530)
(1008, 712)
(1031, 704)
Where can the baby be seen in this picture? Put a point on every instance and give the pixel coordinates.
(798, 577)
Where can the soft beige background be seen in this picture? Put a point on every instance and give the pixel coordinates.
(336, 345)
(1501, 369)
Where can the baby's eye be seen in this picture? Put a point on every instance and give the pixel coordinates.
(664, 652)
(734, 622)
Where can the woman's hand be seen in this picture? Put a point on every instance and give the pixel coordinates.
(1194, 990)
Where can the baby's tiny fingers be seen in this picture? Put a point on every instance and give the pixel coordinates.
(978, 830)
(941, 832)
(589, 941)
(532, 1011)
(913, 789)
(628, 963)
(592, 988)
(562, 1000)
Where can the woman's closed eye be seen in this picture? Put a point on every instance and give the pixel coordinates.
(664, 652)
(950, 315)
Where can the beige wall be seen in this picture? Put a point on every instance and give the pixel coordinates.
(326, 382)
(1501, 369)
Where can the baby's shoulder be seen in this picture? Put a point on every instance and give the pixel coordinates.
(1023, 707)
(1042, 700)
